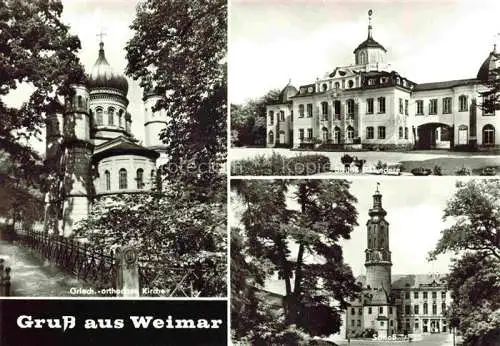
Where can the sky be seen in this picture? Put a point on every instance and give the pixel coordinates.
(414, 211)
(87, 18)
(274, 41)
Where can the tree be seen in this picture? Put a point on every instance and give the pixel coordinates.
(171, 232)
(249, 119)
(37, 53)
(178, 51)
(474, 238)
(288, 238)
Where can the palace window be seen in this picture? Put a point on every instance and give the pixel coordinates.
(401, 107)
(434, 309)
(350, 84)
(433, 106)
(301, 135)
(443, 308)
(369, 132)
(301, 111)
(488, 135)
(352, 311)
(381, 104)
(407, 309)
(324, 132)
(350, 107)
(434, 295)
(324, 87)
(371, 81)
(425, 309)
(111, 115)
(107, 177)
(98, 116)
(391, 323)
(415, 309)
(324, 110)
(337, 107)
(390, 310)
(353, 323)
(337, 85)
(309, 133)
(360, 311)
(309, 110)
(140, 178)
(463, 103)
(271, 117)
(407, 295)
(381, 132)
(350, 132)
(369, 106)
(406, 133)
(359, 323)
(415, 294)
(425, 295)
(122, 179)
(282, 115)
(443, 295)
(270, 138)
(336, 135)
(381, 310)
(447, 105)
(406, 107)
(369, 310)
(401, 132)
(416, 325)
(420, 107)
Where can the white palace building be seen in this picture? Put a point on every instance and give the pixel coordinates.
(366, 105)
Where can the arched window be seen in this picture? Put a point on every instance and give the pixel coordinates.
(111, 115)
(324, 110)
(443, 308)
(324, 132)
(406, 133)
(123, 179)
(324, 87)
(401, 132)
(271, 117)
(336, 135)
(337, 85)
(350, 84)
(80, 101)
(488, 135)
(362, 58)
(350, 132)
(463, 104)
(152, 177)
(92, 119)
(350, 107)
(463, 135)
(107, 177)
(120, 118)
(271, 137)
(99, 116)
(140, 178)
(127, 126)
(426, 309)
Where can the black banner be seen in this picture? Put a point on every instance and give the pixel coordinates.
(112, 322)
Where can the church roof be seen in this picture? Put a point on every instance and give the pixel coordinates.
(103, 75)
(122, 146)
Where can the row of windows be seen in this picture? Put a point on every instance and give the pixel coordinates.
(122, 179)
(416, 309)
(447, 103)
(403, 106)
(99, 117)
(380, 310)
(425, 295)
(271, 117)
(350, 105)
(380, 132)
(336, 85)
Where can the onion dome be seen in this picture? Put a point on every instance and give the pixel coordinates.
(491, 64)
(370, 42)
(104, 76)
(287, 93)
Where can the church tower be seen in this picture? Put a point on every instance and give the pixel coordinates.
(77, 149)
(378, 257)
(154, 123)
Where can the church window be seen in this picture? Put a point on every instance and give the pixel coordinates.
(123, 179)
(381, 104)
(107, 177)
(415, 294)
(140, 178)
(120, 118)
(463, 104)
(127, 126)
(111, 115)
(369, 106)
(309, 110)
(301, 111)
(99, 116)
(447, 105)
(282, 115)
(401, 132)
(362, 58)
(80, 101)
(407, 309)
(488, 135)
(381, 323)
(406, 107)
(271, 117)
(369, 310)
(420, 107)
(425, 309)
(406, 133)
(381, 132)
(369, 132)
(415, 309)
(434, 295)
(350, 107)
(401, 107)
(433, 106)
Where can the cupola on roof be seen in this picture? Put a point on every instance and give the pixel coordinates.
(369, 42)
(491, 64)
(287, 93)
(104, 76)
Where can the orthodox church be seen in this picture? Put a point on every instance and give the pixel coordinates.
(94, 149)
(367, 105)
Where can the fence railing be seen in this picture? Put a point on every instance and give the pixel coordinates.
(74, 257)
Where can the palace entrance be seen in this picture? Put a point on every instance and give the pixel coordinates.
(434, 136)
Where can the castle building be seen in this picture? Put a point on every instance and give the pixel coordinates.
(368, 105)
(393, 304)
(94, 149)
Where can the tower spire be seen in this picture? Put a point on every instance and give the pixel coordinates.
(101, 43)
(370, 12)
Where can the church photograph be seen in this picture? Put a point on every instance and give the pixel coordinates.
(376, 81)
(112, 148)
(364, 262)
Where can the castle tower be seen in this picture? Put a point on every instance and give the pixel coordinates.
(154, 123)
(76, 160)
(378, 257)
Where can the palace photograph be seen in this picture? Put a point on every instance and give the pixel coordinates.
(381, 84)
(107, 187)
(337, 262)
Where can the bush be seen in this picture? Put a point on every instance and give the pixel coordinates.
(437, 170)
(463, 171)
(306, 145)
(381, 165)
(420, 171)
(488, 171)
(280, 165)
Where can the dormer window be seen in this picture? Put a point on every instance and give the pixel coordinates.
(350, 84)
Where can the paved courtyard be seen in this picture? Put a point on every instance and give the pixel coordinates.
(449, 162)
(33, 277)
